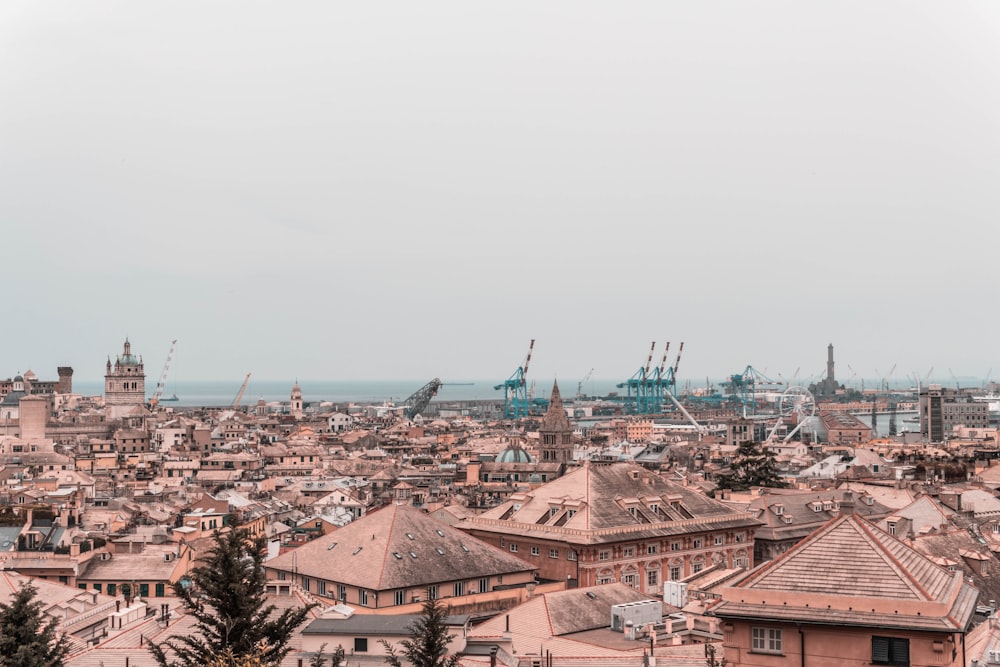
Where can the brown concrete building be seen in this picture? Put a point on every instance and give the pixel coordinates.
(618, 522)
(844, 429)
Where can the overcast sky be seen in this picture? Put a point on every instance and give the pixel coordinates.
(385, 190)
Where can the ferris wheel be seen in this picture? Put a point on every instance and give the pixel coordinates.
(795, 404)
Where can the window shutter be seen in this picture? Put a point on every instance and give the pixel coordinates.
(880, 649)
(901, 651)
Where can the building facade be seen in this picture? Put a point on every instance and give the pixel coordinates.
(602, 523)
(942, 409)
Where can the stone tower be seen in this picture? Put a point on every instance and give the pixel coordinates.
(555, 433)
(297, 401)
(65, 385)
(124, 384)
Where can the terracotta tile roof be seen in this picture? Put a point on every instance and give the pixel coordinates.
(600, 496)
(851, 572)
(398, 547)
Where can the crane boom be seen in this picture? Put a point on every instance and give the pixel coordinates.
(418, 402)
(663, 361)
(239, 395)
(163, 376)
(677, 361)
(579, 386)
(527, 360)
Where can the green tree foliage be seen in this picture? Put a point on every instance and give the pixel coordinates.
(754, 465)
(228, 601)
(428, 642)
(26, 638)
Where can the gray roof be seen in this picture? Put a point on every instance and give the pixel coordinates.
(397, 547)
(372, 624)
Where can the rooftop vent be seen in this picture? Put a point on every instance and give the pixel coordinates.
(332, 545)
(357, 551)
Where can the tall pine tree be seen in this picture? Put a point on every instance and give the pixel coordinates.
(428, 642)
(754, 465)
(228, 600)
(26, 638)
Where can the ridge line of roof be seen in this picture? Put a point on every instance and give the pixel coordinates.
(766, 567)
(385, 553)
(895, 561)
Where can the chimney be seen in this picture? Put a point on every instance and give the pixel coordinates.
(493, 657)
(847, 502)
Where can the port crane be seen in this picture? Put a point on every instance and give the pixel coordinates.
(153, 402)
(239, 394)
(640, 388)
(516, 403)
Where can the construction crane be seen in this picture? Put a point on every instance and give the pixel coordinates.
(416, 403)
(239, 394)
(515, 400)
(153, 402)
(579, 385)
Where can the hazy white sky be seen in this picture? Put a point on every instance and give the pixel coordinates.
(417, 189)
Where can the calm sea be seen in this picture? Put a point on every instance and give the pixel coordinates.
(223, 393)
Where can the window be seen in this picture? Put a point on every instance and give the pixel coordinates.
(432, 592)
(459, 589)
(719, 539)
(534, 551)
(342, 592)
(361, 644)
(890, 651)
(652, 577)
(484, 585)
(628, 552)
(697, 543)
(399, 597)
(513, 548)
(363, 597)
(630, 580)
(651, 549)
(306, 584)
(321, 587)
(697, 567)
(675, 546)
(765, 640)
(112, 589)
(740, 537)
(675, 573)
(570, 555)
(603, 555)
(553, 553)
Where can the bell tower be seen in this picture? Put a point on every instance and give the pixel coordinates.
(297, 401)
(124, 384)
(555, 433)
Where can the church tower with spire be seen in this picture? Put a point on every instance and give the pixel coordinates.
(555, 433)
(124, 384)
